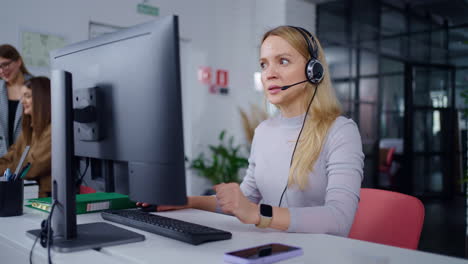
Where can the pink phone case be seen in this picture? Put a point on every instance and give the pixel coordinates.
(291, 252)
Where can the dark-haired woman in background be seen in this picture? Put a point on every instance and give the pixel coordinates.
(13, 73)
(36, 131)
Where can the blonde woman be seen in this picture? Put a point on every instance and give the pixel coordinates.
(306, 165)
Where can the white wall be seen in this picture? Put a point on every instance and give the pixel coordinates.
(301, 14)
(222, 34)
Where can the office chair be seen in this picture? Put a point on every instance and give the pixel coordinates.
(386, 165)
(386, 157)
(388, 218)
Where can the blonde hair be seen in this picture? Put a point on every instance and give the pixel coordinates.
(322, 113)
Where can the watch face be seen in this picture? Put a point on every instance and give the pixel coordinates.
(266, 210)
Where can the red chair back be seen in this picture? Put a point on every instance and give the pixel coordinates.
(389, 159)
(388, 218)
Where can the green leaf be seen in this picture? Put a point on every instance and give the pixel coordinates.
(221, 135)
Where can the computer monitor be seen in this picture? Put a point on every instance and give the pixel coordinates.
(117, 98)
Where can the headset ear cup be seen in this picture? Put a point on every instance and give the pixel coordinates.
(314, 71)
(318, 72)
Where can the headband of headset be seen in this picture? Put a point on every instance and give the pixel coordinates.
(307, 36)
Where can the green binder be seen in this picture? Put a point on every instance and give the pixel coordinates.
(88, 203)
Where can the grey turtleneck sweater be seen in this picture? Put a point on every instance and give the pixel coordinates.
(329, 202)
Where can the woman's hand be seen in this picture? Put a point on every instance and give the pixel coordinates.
(161, 208)
(232, 201)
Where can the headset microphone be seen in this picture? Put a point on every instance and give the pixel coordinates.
(289, 86)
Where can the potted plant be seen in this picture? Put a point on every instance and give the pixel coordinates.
(224, 162)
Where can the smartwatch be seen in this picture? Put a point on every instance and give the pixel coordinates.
(266, 214)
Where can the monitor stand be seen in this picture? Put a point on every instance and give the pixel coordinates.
(67, 235)
(92, 236)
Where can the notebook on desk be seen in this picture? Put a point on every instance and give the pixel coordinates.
(87, 203)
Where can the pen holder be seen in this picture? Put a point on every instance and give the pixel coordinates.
(11, 198)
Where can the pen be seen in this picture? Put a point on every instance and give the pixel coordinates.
(15, 177)
(7, 174)
(25, 170)
(20, 173)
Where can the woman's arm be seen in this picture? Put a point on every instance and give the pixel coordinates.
(207, 203)
(232, 201)
(40, 156)
(11, 158)
(335, 217)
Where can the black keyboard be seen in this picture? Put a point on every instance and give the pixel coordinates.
(164, 226)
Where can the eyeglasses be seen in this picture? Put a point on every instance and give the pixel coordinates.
(5, 65)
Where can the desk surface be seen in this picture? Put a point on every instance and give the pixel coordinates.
(15, 245)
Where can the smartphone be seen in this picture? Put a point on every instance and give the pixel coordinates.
(268, 253)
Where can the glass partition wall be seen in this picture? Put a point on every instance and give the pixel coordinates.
(396, 74)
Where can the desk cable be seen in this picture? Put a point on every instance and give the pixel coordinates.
(45, 236)
(81, 176)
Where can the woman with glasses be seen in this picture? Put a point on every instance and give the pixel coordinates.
(13, 74)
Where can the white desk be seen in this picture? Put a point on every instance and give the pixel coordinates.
(15, 245)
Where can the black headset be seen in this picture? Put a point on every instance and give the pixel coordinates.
(314, 70)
